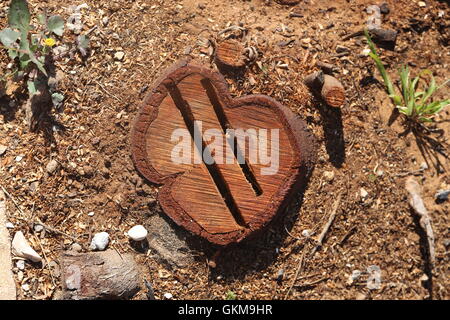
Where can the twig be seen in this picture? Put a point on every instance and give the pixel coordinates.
(299, 267)
(107, 92)
(46, 260)
(309, 284)
(51, 229)
(12, 199)
(347, 235)
(416, 203)
(327, 225)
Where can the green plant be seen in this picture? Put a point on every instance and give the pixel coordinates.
(230, 295)
(26, 47)
(413, 102)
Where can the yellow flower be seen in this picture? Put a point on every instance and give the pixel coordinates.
(49, 42)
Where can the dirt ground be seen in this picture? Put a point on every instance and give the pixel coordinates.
(366, 152)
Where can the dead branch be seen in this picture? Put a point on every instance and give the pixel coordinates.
(416, 203)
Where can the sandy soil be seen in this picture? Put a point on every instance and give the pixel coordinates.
(89, 138)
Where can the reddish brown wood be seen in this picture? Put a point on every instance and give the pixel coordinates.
(223, 203)
(230, 53)
(327, 87)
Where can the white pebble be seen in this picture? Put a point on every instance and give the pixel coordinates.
(20, 264)
(22, 249)
(99, 241)
(168, 296)
(328, 175)
(119, 55)
(52, 166)
(9, 225)
(306, 233)
(363, 193)
(137, 233)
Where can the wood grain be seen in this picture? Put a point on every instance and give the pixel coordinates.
(222, 202)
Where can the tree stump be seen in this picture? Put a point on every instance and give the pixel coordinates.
(326, 87)
(215, 188)
(230, 54)
(99, 275)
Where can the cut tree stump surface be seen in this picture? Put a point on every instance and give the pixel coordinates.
(223, 203)
(230, 53)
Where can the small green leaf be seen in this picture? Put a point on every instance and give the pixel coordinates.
(13, 54)
(9, 37)
(31, 87)
(19, 15)
(55, 24)
(42, 18)
(57, 98)
(230, 295)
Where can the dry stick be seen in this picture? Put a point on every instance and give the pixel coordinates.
(107, 92)
(37, 221)
(327, 225)
(416, 203)
(327, 87)
(309, 284)
(12, 199)
(46, 260)
(299, 267)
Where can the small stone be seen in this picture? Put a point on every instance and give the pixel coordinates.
(18, 158)
(442, 195)
(20, 276)
(280, 275)
(38, 228)
(105, 21)
(76, 247)
(363, 193)
(91, 214)
(137, 233)
(306, 233)
(25, 287)
(20, 264)
(328, 175)
(168, 296)
(422, 4)
(9, 225)
(365, 52)
(99, 241)
(52, 166)
(3, 149)
(119, 55)
(21, 248)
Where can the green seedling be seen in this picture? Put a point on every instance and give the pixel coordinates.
(230, 295)
(414, 102)
(24, 46)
